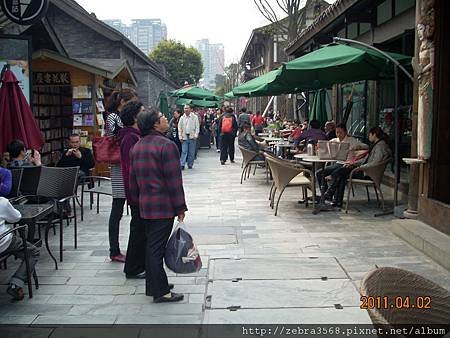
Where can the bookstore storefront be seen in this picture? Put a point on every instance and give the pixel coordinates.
(68, 98)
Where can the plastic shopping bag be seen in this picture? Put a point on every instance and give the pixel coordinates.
(182, 255)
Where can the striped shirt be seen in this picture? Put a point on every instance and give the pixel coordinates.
(113, 125)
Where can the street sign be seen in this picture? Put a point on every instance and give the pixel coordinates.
(24, 12)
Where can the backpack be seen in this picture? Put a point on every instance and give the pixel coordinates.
(227, 125)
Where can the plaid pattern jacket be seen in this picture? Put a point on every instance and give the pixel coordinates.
(155, 177)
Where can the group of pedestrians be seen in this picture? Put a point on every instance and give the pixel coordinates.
(149, 178)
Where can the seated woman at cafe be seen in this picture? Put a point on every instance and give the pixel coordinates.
(378, 153)
(247, 140)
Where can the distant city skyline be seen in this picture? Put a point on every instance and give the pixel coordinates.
(213, 58)
(144, 33)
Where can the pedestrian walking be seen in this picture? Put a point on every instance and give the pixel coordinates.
(228, 129)
(188, 130)
(173, 128)
(243, 117)
(258, 123)
(128, 136)
(216, 130)
(157, 184)
(117, 101)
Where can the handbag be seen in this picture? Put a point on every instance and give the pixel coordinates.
(106, 149)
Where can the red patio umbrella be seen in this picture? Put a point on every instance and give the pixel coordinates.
(16, 118)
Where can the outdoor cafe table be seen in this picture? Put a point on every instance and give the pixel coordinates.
(283, 146)
(314, 160)
(32, 213)
(272, 139)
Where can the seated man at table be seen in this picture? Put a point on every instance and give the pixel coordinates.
(13, 243)
(313, 134)
(378, 153)
(355, 145)
(247, 140)
(21, 157)
(77, 156)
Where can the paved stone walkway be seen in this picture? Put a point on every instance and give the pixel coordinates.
(258, 268)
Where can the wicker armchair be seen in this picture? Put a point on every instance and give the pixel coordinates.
(248, 161)
(375, 173)
(398, 284)
(286, 174)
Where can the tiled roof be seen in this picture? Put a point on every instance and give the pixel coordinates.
(329, 15)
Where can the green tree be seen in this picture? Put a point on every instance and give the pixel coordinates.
(182, 63)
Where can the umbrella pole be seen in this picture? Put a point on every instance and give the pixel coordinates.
(268, 105)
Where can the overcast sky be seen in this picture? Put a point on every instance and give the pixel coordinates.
(221, 21)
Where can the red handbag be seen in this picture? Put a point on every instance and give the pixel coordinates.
(106, 149)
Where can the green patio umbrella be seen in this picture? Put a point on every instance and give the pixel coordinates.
(319, 110)
(198, 103)
(195, 93)
(230, 95)
(336, 64)
(265, 85)
(164, 105)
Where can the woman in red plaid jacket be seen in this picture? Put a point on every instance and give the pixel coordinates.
(156, 182)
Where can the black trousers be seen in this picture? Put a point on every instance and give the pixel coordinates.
(135, 261)
(157, 232)
(339, 182)
(114, 225)
(227, 147)
(324, 172)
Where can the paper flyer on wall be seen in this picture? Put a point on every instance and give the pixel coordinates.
(82, 92)
(100, 120)
(77, 120)
(89, 120)
(100, 106)
(100, 93)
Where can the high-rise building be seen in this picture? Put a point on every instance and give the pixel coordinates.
(213, 58)
(144, 33)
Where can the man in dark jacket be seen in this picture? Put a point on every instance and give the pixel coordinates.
(157, 184)
(228, 128)
(77, 156)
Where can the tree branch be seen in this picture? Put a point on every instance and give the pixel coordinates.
(269, 10)
(282, 6)
(262, 11)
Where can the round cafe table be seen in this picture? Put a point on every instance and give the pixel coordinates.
(314, 160)
(283, 146)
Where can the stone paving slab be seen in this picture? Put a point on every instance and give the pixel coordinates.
(161, 320)
(347, 315)
(68, 320)
(276, 268)
(283, 294)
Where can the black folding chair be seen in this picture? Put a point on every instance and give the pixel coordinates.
(59, 185)
(16, 174)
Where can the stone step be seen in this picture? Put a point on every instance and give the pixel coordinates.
(425, 238)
